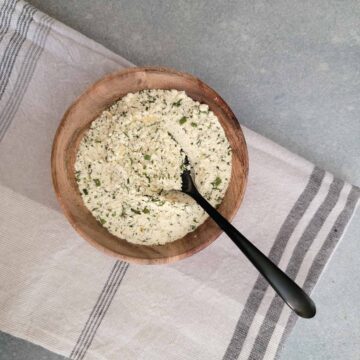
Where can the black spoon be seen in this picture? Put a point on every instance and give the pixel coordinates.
(288, 290)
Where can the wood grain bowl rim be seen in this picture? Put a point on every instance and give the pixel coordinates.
(230, 116)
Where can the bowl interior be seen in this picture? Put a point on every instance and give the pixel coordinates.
(78, 118)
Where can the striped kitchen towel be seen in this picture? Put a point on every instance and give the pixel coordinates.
(59, 292)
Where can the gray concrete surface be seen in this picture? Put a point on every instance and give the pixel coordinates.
(291, 71)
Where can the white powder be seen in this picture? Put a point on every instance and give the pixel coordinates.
(129, 164)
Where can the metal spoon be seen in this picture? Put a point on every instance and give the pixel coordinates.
(291, 293)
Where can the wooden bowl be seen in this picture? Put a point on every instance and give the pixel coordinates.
(77, 120)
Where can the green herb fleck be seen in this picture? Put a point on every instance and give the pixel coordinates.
(98, 141)
(177, 104)
(147, 157)
(102, 221)
(183, 120)
(77, 175)
(146, 211)
(216, 182)
(158, 201)
(97, 182)
(135, 211)
(85, 191)
(194, 124)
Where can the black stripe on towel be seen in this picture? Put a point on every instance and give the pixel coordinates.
(302, 247)
(257, 293)
(99, 310)
(323, 255)
(25, 73)
(6, 13)
(13, 47)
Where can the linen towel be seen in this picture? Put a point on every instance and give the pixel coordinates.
(59, 292)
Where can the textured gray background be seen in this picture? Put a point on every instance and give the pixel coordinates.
(291, 71)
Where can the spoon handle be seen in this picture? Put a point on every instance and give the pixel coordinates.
(287, 289)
